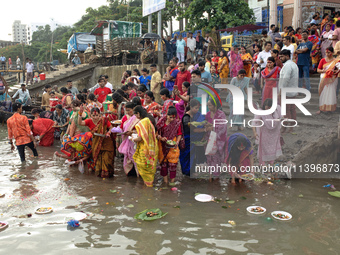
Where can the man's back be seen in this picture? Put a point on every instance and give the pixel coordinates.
(19, 129)
(289, 77)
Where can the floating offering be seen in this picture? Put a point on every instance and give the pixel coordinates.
(204, 198)
(256, 209)
(281, 215)
(17, 177)
(44, 210)
(247, 177)
(150, 214)
(3, 225)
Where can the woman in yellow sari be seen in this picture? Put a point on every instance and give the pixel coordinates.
(247, 61)
(223, 67)
(146, 154)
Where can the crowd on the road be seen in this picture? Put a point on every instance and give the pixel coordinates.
(155, 120)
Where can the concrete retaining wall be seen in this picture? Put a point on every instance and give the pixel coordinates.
(321, 151)
(115, 73)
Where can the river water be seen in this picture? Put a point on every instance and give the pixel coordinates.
(190, 227)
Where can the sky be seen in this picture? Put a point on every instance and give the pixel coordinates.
(42, 11)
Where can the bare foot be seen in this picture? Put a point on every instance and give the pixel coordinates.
(165, 179)
(233, 181)
(172, 180)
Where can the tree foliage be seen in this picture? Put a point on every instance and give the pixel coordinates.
(218, 14)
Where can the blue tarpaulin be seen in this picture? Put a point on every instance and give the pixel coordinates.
(80, 41)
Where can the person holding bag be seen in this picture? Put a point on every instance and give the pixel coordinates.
(216, 135)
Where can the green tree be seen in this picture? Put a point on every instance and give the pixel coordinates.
(43, 34)
(218, 14)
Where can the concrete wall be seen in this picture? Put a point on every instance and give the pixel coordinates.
(321, 151)
(115, 73)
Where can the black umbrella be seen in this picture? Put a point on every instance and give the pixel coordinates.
(151, 36)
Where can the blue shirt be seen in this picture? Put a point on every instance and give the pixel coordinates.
(3, 59)
(145, 81)
(180, 44)
(206, 76)
(3, 97)
(168, 46)
(303, 58)
(170, 84)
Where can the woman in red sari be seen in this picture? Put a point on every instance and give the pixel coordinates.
(270, 76)
(103, 142)
(169, 128)
(150, 105)
(44, 128)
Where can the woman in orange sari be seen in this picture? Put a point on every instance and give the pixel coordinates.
(270, 76)
(324, 21)
(223, 67)
(328, 82)
(169, 128)
(103, 142)
(247, 61)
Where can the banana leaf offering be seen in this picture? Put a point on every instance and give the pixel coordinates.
(150, 214)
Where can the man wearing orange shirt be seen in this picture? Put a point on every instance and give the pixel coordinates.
(19, 129)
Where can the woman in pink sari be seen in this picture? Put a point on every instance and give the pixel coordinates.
(270, 76)
(268, 136)
(221, 132)
(127, 146)
(325, 42)
(236, 62)
(184, 99)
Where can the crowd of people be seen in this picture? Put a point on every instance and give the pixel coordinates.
(155, 120)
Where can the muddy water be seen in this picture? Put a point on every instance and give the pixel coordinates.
(194, 228)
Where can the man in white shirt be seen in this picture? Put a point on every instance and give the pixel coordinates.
(191, 43)
(107, 83)
(72, 89)
(264, 55)
(24, 96)
(18, 62)
(289, 78)
(29, 68)
(288, 46)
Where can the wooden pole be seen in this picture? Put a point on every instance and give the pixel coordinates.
(23, 63)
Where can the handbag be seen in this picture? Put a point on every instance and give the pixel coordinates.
(212, 144)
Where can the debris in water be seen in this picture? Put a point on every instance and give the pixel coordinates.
(231, 222)
(113, 191)
(73, 223)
